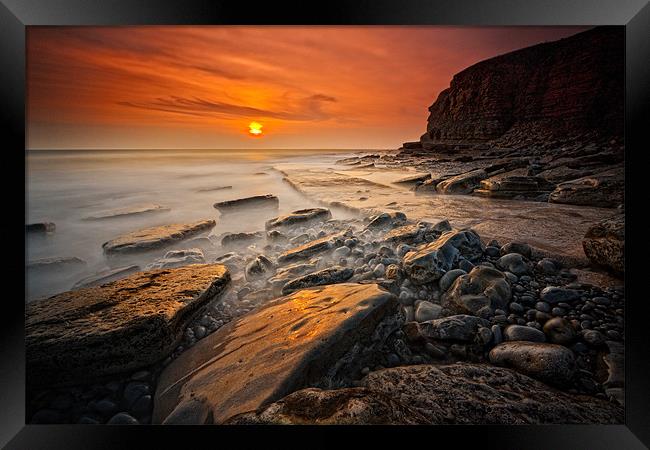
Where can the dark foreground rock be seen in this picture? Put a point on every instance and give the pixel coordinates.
(331, 275)
(267, 200)
(449, 394)
(261, 357)
(604, 190)
(82, 335)
(156, 237)
(42, 227)
(604, 243)
(301, 216)
(314, 247)
(479, 292)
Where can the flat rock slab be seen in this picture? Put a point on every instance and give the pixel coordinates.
(156, 237)
(268, 353)
(311, 248)
(106, 276)
(81, 335)
(127, 211)
(56, 264)
(301, 216)
(41, 227)
(267, 200)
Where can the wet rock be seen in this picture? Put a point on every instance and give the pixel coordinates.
(513, 186)
(256, 201)
(455, 328)
(483, 287)
(604, 243)
(106, 276)
(271, 351)
(431, 261)
(554, 295)
(127, 211)
(427, 311)
(233, 239)
(386, 220)
(517, 247)
(276, 236)
(513, 263)
(301, 216)
(42, 227)
(258, 268)
(547, 266)
(312, 248)
(465, 393)
(523, 333)
(56, 264)
(178, 258)
(464, 183)
(550, 363)
(156, 237)
(121, 326)
(351, 406)
(448, 279)
(415, 233)
(559, 331)
(331, 275)
(604, 189)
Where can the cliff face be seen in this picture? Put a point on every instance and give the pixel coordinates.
(566, 90)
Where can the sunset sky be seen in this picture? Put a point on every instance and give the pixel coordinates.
(201, 87)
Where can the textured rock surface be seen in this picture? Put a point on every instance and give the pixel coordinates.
(127, 211)
(604, 243)
(301, 216)
(178, 258)
(462, 184)
(604, 190)
(563, 88)
(233, 239)
(453, 328)
(267, 200)
(106, 276)
(156, 237)
(430, 262)
(81, 335)
(483, 287)
(56, 263)
(312, 247)
(270, 352)
(550, 363)
(331, 275)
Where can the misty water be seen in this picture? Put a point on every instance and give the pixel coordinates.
(65, 187)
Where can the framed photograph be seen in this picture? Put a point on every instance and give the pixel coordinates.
(402, 220)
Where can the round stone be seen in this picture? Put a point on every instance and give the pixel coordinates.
(448, 279)
(523, 333)
(559, 331)
(543, 306)
(516, 308)
(492, 251)
(593, 338)
(379, 270)
(496, 333)
(200, 332)
(341, 252)
(123, 419)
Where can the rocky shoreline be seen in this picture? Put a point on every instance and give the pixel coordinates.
(448, 298)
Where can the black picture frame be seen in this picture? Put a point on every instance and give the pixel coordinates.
(16, 15)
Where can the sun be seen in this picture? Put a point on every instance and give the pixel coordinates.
(255, 128)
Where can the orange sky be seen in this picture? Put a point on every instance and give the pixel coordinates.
(200, 87)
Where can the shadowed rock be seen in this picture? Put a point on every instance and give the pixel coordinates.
(301, 216)
(270, 352)
(484, 288)
(603, 189)
(240, 238)
(56, 264)
(178, 258)
(155, 237)
(464, 183)
(604, 243)
(82, 335)
(42, 227)
(313, 247)
(414, 179)
(430, 262)
(331, 275)
(453, 328)
(268, 200)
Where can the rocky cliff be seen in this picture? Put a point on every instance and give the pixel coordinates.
(545, 95)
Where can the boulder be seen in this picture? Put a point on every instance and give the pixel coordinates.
(448, 279)
(554, 294)
(311, 248)
(517, 247)
(258, 268)
(270, 352)
(351, 406)
(553, 364)
(178, 258)
(156, 237)
(301, 216)
(453, 328)
(427, 311)
(106, 276)
(431, 261)
(331, 275)
(386, 220)
(604, 189)
(127, 211)
(483, 287)
(464, 183)
(256, 201)
(513, 263)
(464, 393)
(232, 239)
(604, 243)
(122, 326)
(559, 331)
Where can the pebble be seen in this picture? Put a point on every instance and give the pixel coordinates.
(558, 311)
(342, 252)
(123, 419)
(543, 306)
(496, 333)
(379, 270)
(512, 278)
(365, 371)
(516, 308)
(593, 337)
(613, 334)
(392, 359)
(601, 300)
(200, 332)
(523, 333)
(465, 265)
(133, 391)
(484, 335)
(554, 294)
(492, 251)
(105, 407)
(559, 331)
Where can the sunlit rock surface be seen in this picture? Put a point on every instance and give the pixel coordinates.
(156, 237)
(311, 248)
(268, 353)
(82, 335)
(448, 394)
(300, 216)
